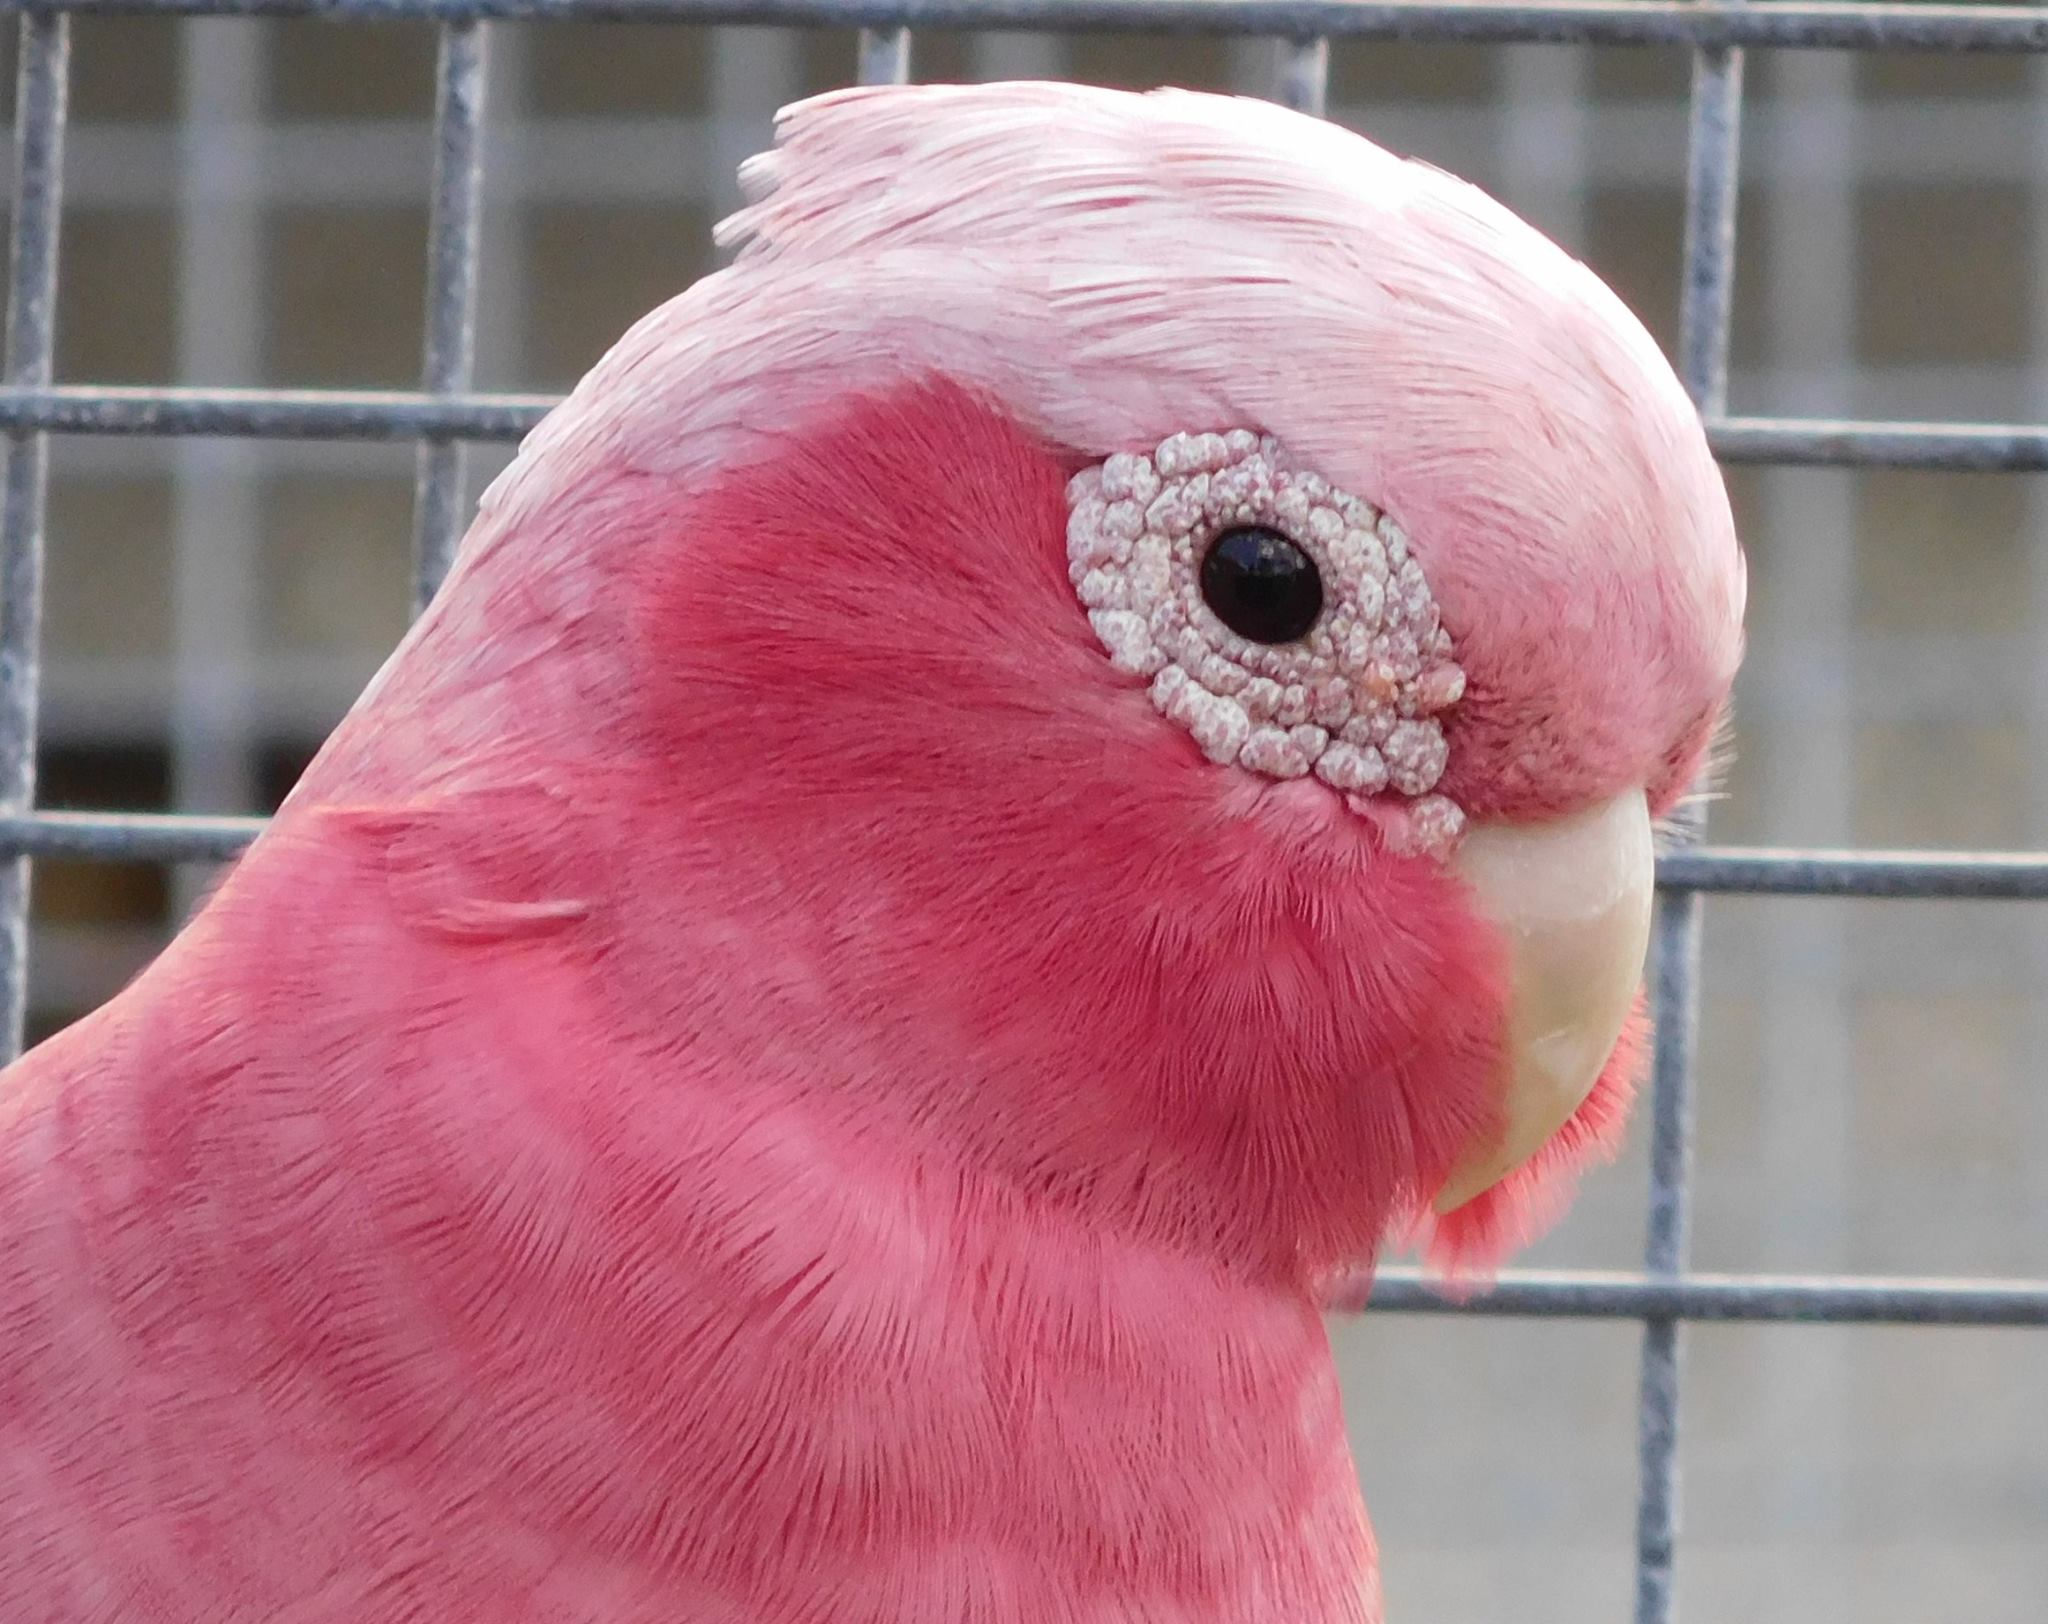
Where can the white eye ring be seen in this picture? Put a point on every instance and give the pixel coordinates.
(1355, 700)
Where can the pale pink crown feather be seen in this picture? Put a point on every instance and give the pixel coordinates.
(1111, 269)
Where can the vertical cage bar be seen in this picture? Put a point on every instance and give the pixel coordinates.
(40, 89)
(1705, 308)
(884, 56)
(1675, 950)
(1713, 163)
(1305, 75)
(453, 234)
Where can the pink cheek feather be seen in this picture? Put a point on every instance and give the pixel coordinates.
(950, 857)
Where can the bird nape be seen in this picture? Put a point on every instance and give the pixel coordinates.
(1013, 787)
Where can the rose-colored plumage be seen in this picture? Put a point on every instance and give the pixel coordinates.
(757, 1079)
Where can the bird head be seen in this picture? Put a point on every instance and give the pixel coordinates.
(1132, 646)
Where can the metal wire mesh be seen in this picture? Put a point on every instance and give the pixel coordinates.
(445, 414)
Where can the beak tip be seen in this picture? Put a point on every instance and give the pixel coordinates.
(1572, 899)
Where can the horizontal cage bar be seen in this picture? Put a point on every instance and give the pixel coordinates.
(1886, 875)
(127, 837)
(1980, 876)
(273, 414)
(324, 414)
(1789, 1299)
(1698, 23)
(1830, 443)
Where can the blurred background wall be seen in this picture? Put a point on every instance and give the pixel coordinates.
(247, 206)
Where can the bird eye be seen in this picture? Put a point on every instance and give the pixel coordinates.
(1260, 585)
(1283, 622)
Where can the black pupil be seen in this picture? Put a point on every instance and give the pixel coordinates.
(1261, 585)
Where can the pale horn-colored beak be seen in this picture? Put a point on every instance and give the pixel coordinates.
(1571, 898)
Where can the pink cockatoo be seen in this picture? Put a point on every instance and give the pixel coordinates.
(1013, 786)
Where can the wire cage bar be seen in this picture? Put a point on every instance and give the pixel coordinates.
(446, 414)
(1305, 75)
(42, 83)
(335, 414)
(1705, 319)
(1704, 24)
(452, 264)
(883, 56)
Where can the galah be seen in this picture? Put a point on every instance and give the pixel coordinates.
(1016, 784)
